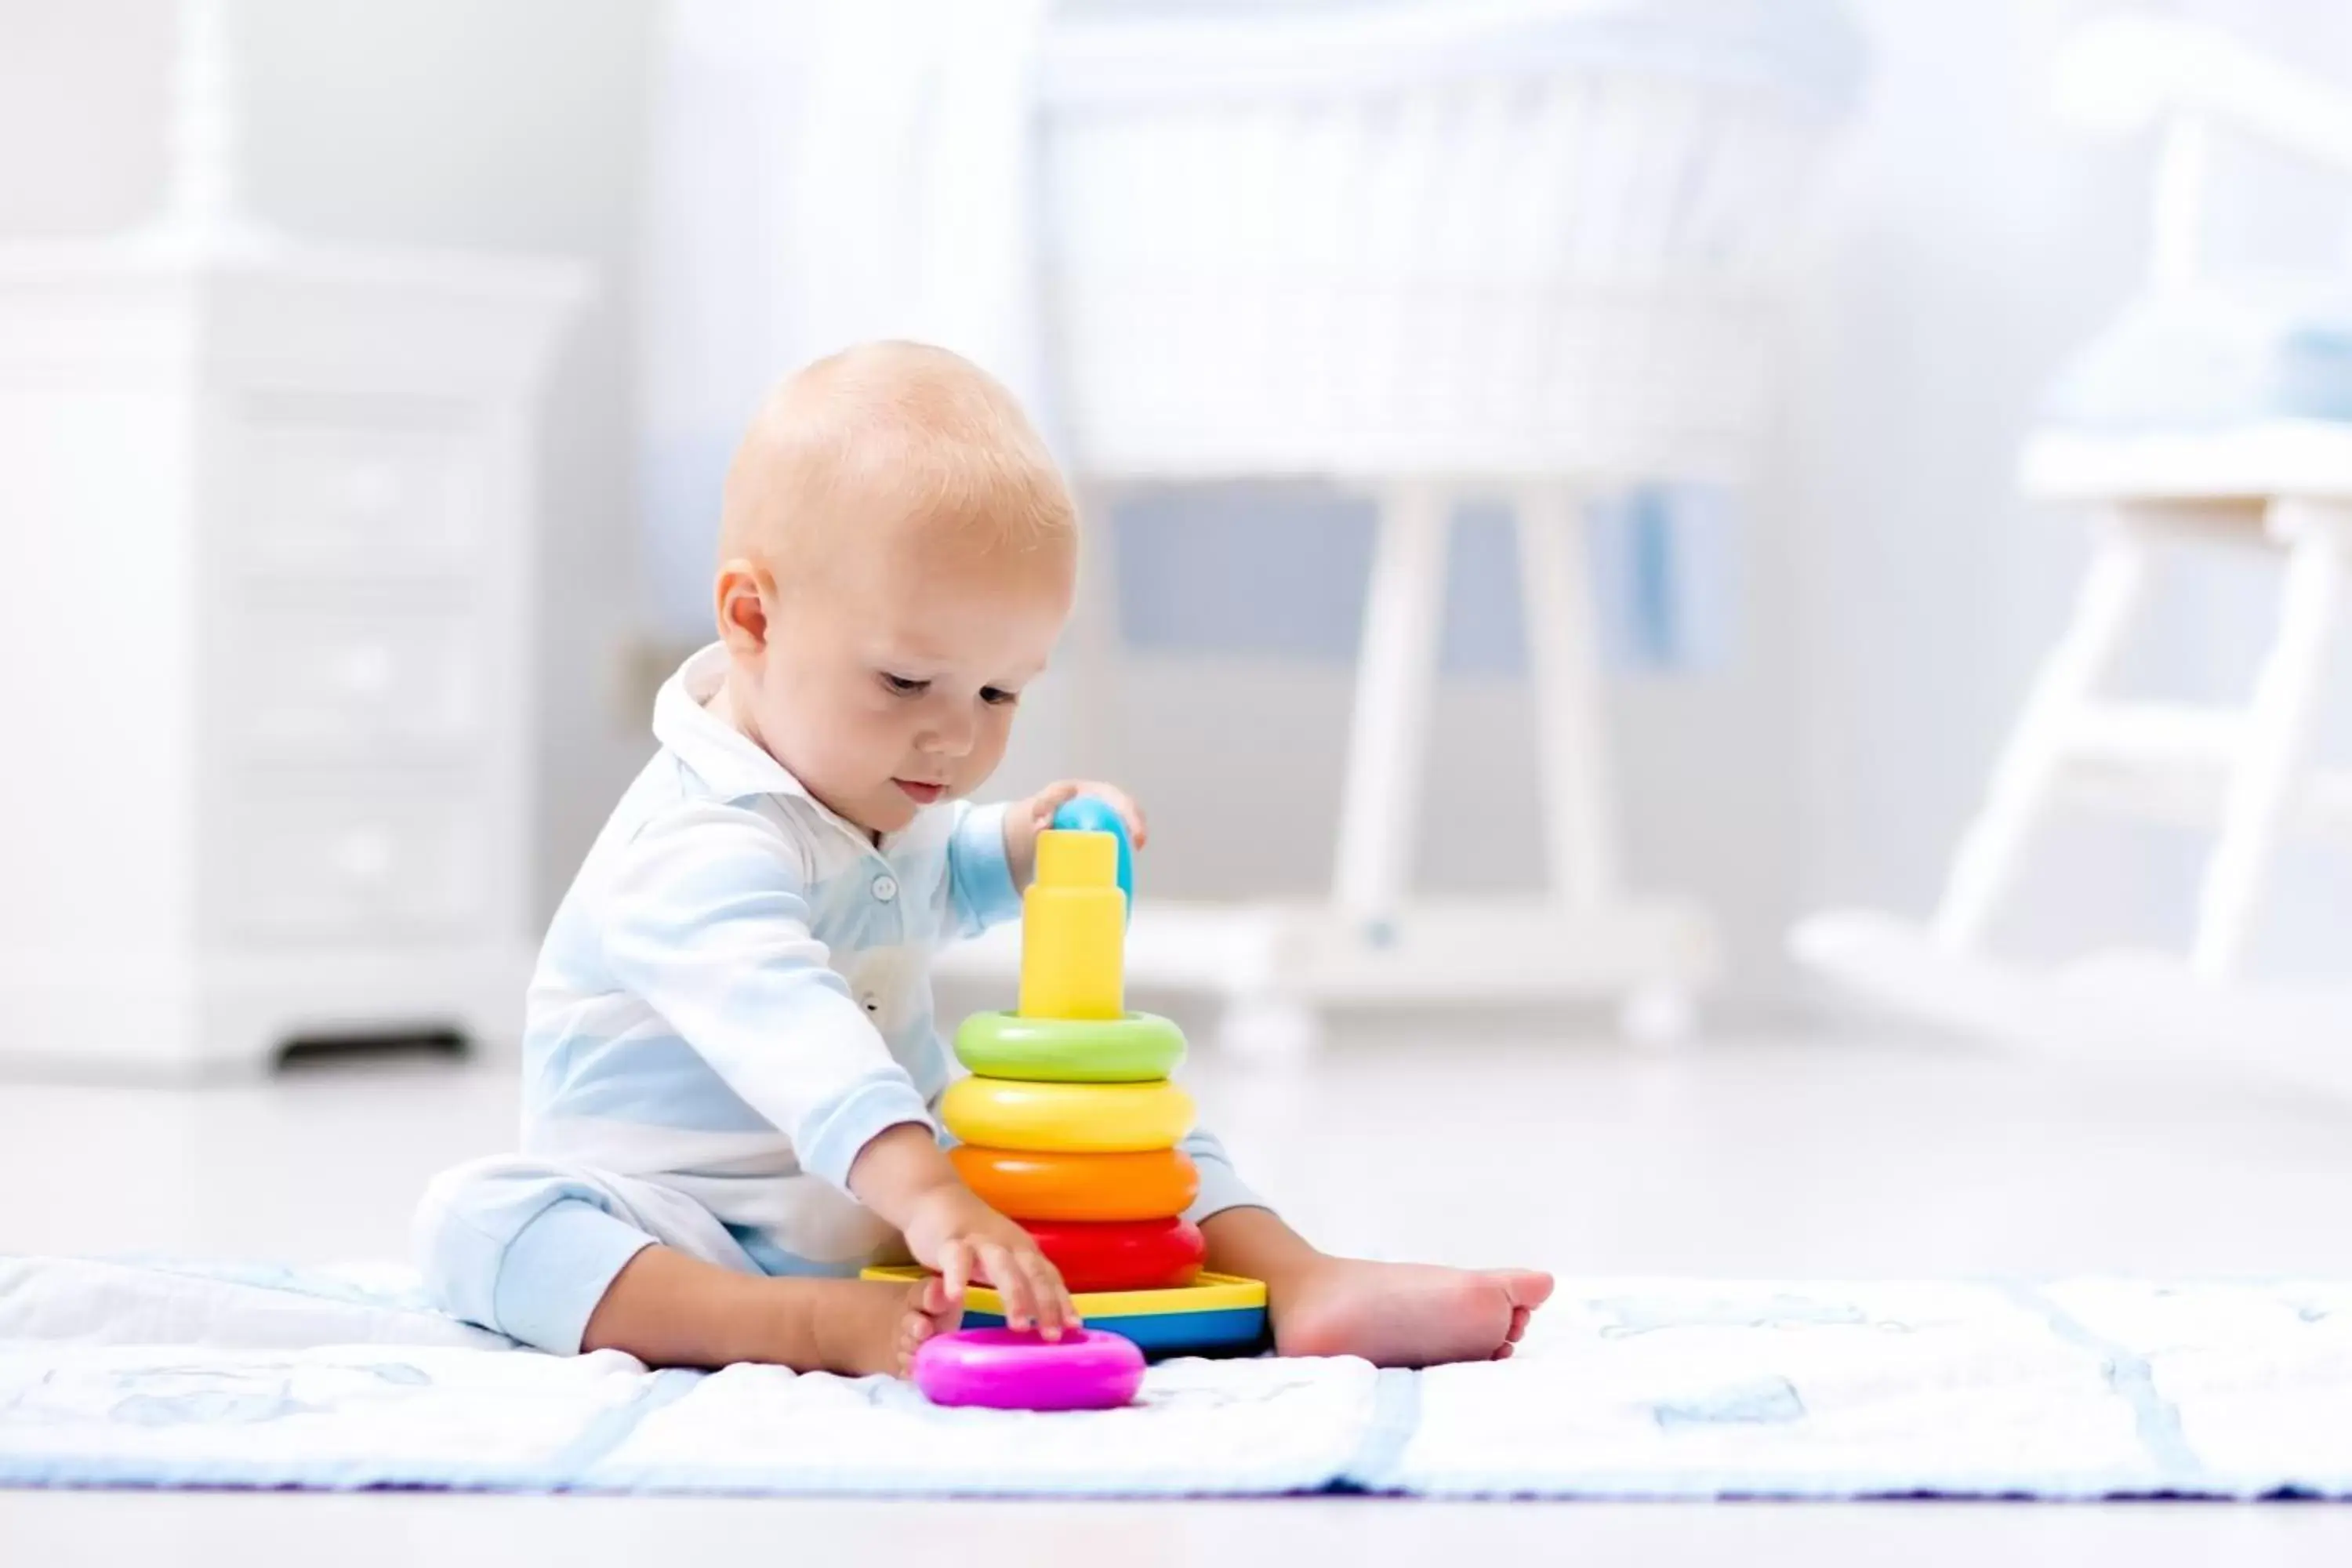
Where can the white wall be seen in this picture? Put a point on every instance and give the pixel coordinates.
(516, 125)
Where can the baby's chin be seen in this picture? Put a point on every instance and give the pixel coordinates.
(880, 809)
(891, 805)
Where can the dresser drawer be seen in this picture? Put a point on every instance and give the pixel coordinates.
(366, 681)
(358, 499)
(315, 862)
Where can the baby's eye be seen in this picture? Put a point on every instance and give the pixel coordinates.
(997, 697)
(900, 685)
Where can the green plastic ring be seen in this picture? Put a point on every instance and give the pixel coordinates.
(1138, 1049)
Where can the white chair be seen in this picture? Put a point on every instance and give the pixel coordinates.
(2216, 413)
(1437, 254)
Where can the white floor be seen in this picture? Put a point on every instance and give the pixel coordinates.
(1754, 1157)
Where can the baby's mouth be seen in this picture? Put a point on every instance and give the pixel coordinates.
(919, 793)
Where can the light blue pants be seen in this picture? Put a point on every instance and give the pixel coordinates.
(528, 1246)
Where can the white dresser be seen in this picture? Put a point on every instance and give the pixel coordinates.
(266, 610)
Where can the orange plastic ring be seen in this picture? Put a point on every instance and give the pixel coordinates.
(1029, 1185)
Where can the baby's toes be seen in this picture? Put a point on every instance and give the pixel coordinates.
(927, 1315)
(912, 1335)
(1523, 1288)
(1519, 1316)
(931, 1300)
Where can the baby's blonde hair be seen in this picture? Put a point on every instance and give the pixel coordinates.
(923, 434)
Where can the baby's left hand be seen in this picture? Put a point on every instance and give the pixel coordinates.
(1042, 806)
(1030, 818)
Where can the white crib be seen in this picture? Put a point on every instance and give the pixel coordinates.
(1437, 253)
(1488, 240)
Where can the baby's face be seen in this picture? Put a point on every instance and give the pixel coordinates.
(891, 683)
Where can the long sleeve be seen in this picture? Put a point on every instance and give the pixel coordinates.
(707, 919)
(979, 877)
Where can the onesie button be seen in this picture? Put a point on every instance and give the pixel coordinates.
(885, 889)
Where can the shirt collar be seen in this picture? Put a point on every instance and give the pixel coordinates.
(726, 760)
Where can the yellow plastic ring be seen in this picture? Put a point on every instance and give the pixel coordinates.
(1067, 1118)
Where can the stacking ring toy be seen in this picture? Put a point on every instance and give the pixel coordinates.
(1066, 1118)
(1027, 1186)
(998, 1369)
(1141, 1048)
(1123, 1255)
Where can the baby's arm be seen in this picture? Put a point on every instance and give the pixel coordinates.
(903, 1176)
(708, 923)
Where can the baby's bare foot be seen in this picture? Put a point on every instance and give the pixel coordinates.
(927, 1311)
(1405, 1314)
(875, 1326)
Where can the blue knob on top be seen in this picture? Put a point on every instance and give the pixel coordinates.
(1092, 814)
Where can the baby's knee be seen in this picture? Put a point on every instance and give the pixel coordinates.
(460, 1231)
(522, 1246)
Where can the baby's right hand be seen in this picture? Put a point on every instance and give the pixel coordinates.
(953, 1231)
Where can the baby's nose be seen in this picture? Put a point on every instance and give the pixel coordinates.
(948, 743)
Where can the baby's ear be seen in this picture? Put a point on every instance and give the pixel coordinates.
(740, 597)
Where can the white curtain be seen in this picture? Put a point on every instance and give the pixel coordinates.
(825, 172)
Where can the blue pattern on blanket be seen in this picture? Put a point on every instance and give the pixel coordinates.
(375, 1286)
(206, 1396)
(1637, 1315)
(1769, 1402)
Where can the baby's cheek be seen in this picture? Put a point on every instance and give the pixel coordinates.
(988, 747)
(857, 747)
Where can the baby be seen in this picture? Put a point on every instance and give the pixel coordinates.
(730, 1060)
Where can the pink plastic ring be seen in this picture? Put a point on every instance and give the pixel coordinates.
(1001, 1369)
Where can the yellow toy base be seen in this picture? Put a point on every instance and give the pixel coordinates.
(1219, 1314)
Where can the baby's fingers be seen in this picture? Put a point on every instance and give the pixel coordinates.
(1055, 1312)
(955, 1268)
(1050, 799)
(1012, 1287)
(1129, 813)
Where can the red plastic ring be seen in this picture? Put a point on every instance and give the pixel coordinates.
(1122, 1255)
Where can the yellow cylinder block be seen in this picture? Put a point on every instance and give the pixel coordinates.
(1074, 930)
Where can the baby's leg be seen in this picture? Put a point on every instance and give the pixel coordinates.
(667, 1309)
(1391, 1314)
(568, 1258)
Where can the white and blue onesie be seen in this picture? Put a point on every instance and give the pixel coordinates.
(733, 999)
